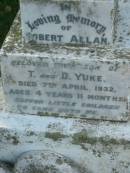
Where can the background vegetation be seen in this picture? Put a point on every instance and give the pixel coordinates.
(8, 10)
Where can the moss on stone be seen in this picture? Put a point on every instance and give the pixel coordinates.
(11, 137)
(54, 135)
(83, 137)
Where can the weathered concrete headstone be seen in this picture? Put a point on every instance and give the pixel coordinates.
(68, 81)
(84, 22)
(72, 62)
(69, 86)
(72, 21)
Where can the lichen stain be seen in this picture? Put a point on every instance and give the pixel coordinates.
(55, 136)
(11, 137)
(83, 137)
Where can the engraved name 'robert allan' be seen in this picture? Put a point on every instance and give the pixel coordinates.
(71, 19)
(73, 39)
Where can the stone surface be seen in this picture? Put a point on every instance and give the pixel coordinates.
(98, 146)
(64, 81)
(46, 161)
(72, 87)
(73, 21)
(34, 76)
(2, 98)
(123, 24)
(89, 23)
(5, 168)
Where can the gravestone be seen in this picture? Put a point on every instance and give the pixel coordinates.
(65, 73)
(84, 22)
(84, 80)
(74, 86)
(72, 22)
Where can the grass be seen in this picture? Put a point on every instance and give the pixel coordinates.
(8, 10)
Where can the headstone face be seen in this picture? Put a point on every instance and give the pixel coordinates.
(80, 84)
(68, 87)
(68, 22)
(68, 81)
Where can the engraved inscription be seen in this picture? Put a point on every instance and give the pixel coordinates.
(83, 23)
(86, 89)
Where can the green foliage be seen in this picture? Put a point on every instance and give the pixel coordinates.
(8, 9)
